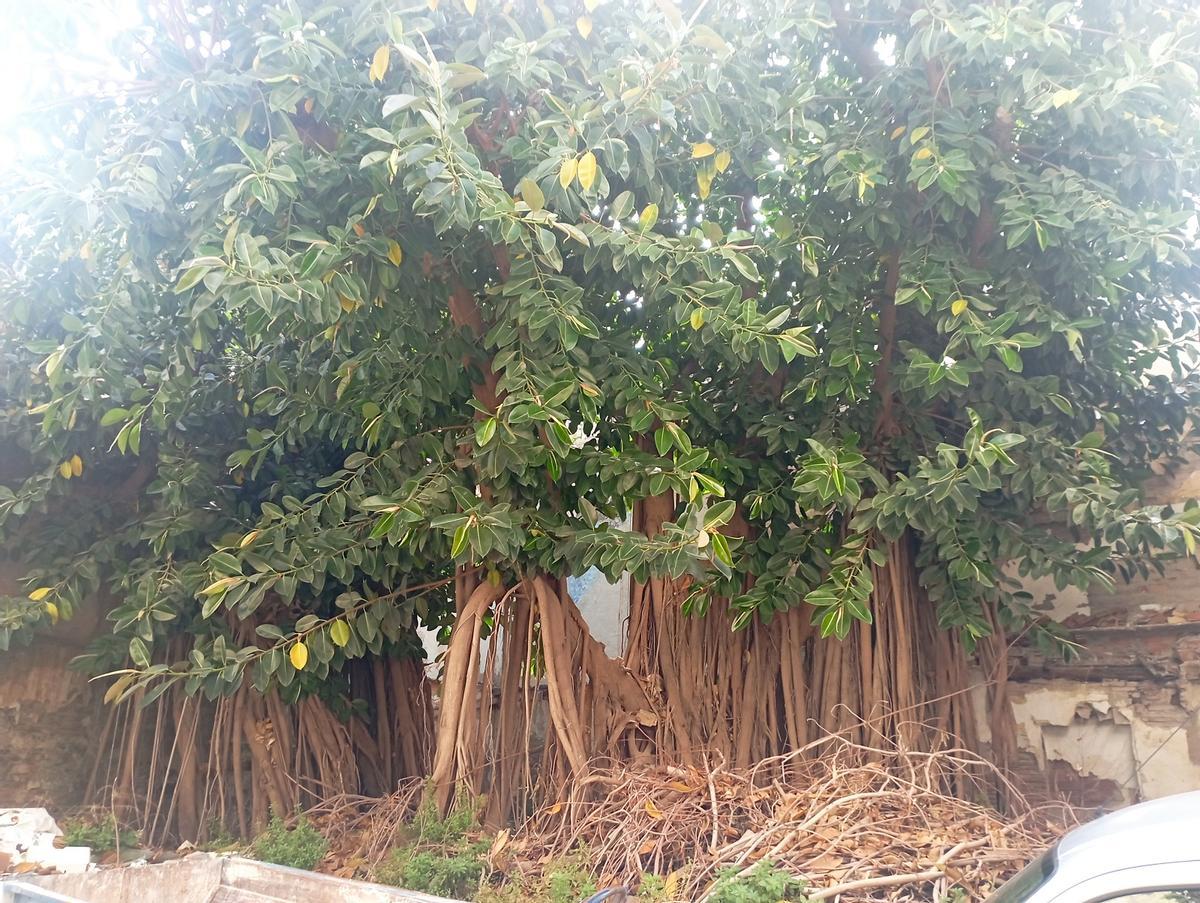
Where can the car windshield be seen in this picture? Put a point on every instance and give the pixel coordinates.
(1023, 884)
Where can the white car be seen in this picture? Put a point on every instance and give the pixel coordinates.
(1148, 853)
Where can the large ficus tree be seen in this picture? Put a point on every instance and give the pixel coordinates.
(333, 320)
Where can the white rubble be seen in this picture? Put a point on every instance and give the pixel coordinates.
(27, 836)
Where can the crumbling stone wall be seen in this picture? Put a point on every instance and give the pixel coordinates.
(50, 716)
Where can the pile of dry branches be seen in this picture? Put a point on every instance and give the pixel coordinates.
(857, 822)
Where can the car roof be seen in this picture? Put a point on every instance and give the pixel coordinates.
(1154, 832)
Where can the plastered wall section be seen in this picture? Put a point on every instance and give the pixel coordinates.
(1122, 723)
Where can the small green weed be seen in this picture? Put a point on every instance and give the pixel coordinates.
(300, 846)
(217, 838)
(653, 889)
(568, 880)
(563, 880)
(442, 856)
(443, 874)
(101, 834)
(763, 884)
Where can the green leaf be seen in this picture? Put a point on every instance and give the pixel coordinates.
(720, 550)
(139, 652)
(531, 194)
(339, 633)
(794, 343)
(116, 415)
(191, 277)
(460, 542)
(719, 514)
(622, 206)
(383, 525)
(744, 265)
(395, 103)
(484, 431)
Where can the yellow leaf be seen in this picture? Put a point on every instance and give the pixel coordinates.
(703, 183)
(898, 131)
(555, 809)
(670, 11)
(923, 153)
(652, 810)
(348, 304)
(703, 149)
(65, 469)
(584, 24)
(646, 848)
(76, 465)
(41, 593)
(339, 632)
(671, 886)
(379, 63)
(118, 687)
(723, 159)
(395, 253)
(298, 655)
(697, 317)
(959, 307)
(52, 610)
(249, 538)
(681, 787)
(1064, 96)
(566, 173)
(219, 586)
(470, 5)
(587, 171)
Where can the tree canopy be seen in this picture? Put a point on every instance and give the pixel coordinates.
(324, 304)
